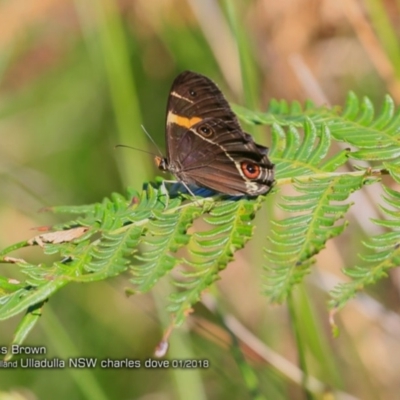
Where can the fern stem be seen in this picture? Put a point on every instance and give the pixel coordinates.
(11, 248)
(187, 383)
(368, 173)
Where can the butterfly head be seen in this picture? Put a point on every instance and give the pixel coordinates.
(162, 163)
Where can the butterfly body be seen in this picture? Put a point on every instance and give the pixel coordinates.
(206, 145)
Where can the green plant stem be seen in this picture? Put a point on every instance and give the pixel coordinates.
(11, 248)
(381, 21)
(247, 65)
(115, 49)
(85, 379)
(368, 173)
(188, 383)
(249, 376)
(300, 347)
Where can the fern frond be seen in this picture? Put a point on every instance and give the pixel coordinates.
(386, 254)
(297, 239)
(82, 259)
(14, 301)
(315, 211)
(295, 156)
(110, 256)
(122, 230)
(211, 250)
(376, 136)
(166, 233)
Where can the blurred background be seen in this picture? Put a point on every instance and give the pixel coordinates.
(79, 77)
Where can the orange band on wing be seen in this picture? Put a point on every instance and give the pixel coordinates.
(182, 121)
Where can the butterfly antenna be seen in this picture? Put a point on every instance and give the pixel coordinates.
(135, 148)
(152, 140)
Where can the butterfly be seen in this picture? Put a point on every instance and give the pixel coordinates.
(206, 145)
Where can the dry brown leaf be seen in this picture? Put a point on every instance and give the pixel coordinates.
(14, 281)
(14, 260)
(58, 237)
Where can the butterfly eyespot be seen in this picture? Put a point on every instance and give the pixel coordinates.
(192, 93)
(205, 131)
(250, 170)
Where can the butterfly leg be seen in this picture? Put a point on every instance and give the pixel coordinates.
(164, 190)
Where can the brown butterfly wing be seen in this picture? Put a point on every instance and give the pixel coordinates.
(211, 155)
(212, 159)
(192, 98)
(194, 95)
